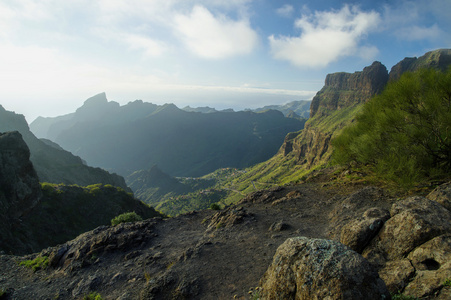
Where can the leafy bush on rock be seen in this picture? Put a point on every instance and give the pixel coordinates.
(126, 217)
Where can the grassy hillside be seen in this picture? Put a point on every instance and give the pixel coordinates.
(65, 211)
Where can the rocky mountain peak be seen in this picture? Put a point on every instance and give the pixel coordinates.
(438, 59)
(346, 89)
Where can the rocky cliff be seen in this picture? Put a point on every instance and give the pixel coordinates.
(336, 104)
(19, 184)
(51, 162)
(342, 90)
(438, 59)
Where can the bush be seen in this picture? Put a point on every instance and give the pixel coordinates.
(126, 217)
(215, 206)
(404, 134)
(93, 296)
(40, 262)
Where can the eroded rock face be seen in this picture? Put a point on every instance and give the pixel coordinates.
(86, 247)
(358, 233)
(19, 185)
(414, 221)
(442, 195)
(412, 251)
(345, 89)
(305, 268)
(437, 59)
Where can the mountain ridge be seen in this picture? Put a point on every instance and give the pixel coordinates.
(180, 142)
(53, 163)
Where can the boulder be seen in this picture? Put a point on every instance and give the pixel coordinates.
(432, 262)
(305, 268)
(442, 195)
(397, 274)
(358, 233)
(414, 221)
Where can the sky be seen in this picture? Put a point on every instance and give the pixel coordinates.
(220, 53)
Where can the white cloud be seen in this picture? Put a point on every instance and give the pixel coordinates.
(325, 37)
(215, 37)
(285, 11)
(150, 46)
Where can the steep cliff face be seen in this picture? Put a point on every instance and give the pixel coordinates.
(19, 185)
(331, 109)
(345, 89)
(438, 59)
(343, 94)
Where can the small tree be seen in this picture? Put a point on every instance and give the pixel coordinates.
(404, 134)
(126, 217)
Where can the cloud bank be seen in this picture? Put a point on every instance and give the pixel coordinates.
(325, 37)
(215, 37)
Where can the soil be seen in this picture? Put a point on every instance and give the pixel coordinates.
(200, 255)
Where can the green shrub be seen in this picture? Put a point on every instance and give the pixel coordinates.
(40, 262)
(447, 282)
(400, 296)
(126, 217)
(215, 206)
(93, 296)
(403, 134)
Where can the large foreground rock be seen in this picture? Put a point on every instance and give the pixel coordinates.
(305, 268)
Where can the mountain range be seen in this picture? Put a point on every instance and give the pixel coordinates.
(136, 136)
(53, 163)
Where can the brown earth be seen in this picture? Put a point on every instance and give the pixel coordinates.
(200, 255)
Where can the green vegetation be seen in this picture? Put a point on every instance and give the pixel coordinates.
(125, 218)
(447, 282)
(404, 134)
(400, 296)
(215, 206)
(2, 293)
(40, 262)
(93, 296)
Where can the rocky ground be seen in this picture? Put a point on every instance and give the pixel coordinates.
(207, 254)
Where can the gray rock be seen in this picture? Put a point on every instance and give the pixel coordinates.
(442, 195)
(432, 262)
(396, 274)
(414, 221)
(358, 233)
(305, 268)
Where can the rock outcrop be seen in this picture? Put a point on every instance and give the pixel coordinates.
(437, 59)
(410, 247)
(343, 90)
(305, 268)
(19, 185)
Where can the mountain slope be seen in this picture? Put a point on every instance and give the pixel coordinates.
(34, 216)
(52, 163)
(333, 107)
(179, 142)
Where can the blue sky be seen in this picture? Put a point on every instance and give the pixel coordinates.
(238, 53)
